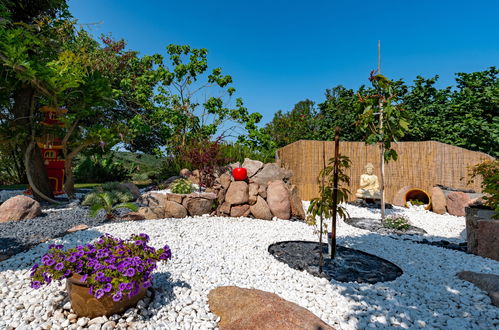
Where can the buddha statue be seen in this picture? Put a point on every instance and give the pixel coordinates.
(369, 186)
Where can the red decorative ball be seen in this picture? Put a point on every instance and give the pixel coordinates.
(240, 174)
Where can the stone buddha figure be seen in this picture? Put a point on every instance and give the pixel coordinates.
(369, 186)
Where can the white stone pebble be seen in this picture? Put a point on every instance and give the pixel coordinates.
(210, 251)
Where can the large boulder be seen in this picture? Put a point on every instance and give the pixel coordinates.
(260, 209)
(262, 190)
(456, 202)
(487, 282)
(19, 208)
(240, 211)
(271, 172)
(296, 203)
(197, 205)
(152, 212)
(237, 193)
(399, 198)
(252, 166)
(177, 198)
(438, 202)
(246, 309)
(482, 233)
(133, 216)
(253, 189)
(132, 188)
(225, 180)
(152, 199)
(174, 210)
(278, 199)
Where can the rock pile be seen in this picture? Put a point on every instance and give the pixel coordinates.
(266, 193)
(159, 206)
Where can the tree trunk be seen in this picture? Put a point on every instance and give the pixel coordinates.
(23, 110)
(38, 174)
(69, 187)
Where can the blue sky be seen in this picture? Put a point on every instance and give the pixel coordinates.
(281, 52)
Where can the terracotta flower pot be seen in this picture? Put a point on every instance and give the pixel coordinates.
(86, 305)
(240, 174)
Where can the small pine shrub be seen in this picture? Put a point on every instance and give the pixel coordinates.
(398, 222)
(181, 186)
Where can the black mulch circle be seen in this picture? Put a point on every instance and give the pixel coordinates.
(349, 265)
(376, 226)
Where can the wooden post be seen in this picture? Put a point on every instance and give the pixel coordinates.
(321, 257)
(335, 190)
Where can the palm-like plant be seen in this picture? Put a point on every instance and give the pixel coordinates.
(104, 201)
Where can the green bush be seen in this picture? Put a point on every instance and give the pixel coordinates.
(181, 186)
(107, 202)
(398, 222)
(236, 152)
(99, 168)
(489, 171)
(169, 167)
(117, 194)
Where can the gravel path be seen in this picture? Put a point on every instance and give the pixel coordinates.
(17, 236)
(213, 251)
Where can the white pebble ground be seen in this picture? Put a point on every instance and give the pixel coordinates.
(213, 251)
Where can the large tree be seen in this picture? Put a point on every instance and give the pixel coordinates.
(299, 123)
(28, 45)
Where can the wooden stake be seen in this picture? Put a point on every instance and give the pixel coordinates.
(381, 146)
(335, 190)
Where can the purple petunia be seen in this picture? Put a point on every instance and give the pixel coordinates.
(107, 287)
(130, 272)
(99, 293)
(110, 266)
(117, 296)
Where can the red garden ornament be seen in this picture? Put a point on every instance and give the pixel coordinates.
(240, 174)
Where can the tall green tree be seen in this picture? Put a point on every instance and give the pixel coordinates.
(297, 124)
(30, 72)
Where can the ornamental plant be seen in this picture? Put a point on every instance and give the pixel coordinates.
(489, 171)
(181, 186)
(109, 266)
(398, 222)
(104, 201)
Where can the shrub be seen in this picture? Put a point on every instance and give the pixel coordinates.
(104, 201)
(489, 171)
(181, 186)
(398, 222)
(205, 156)
(117, 193)
(97, 169)
(110, 265)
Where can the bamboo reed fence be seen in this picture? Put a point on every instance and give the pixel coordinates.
(419, 165)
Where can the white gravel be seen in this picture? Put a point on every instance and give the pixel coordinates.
(212, 251)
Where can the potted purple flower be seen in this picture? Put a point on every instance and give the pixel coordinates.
(103, 278)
